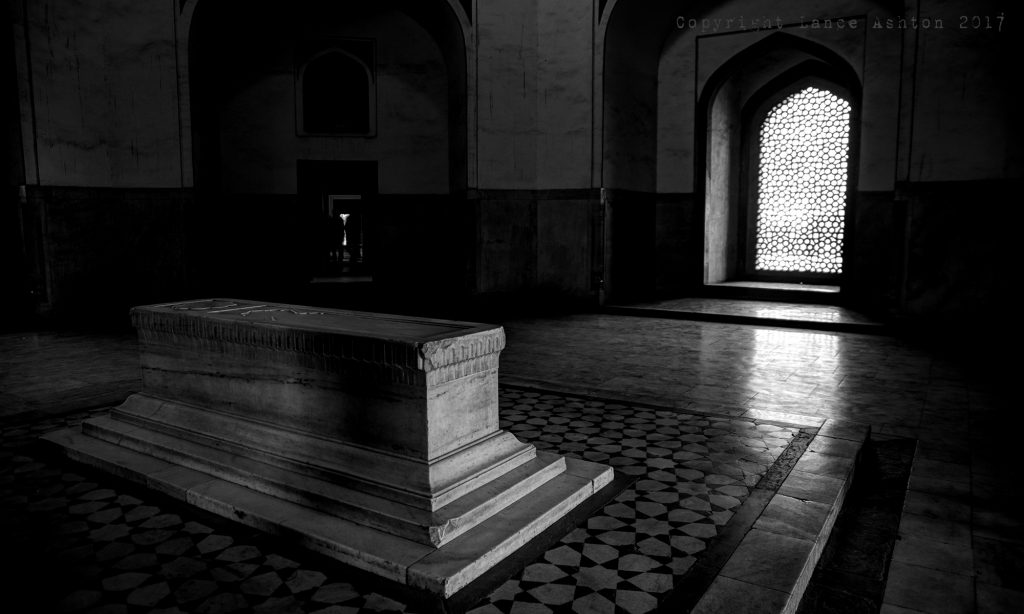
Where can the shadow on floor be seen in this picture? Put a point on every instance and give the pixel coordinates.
(850, 576)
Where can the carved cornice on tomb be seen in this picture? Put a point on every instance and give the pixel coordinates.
(308, 333)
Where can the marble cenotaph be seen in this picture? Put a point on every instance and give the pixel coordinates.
(371, 438)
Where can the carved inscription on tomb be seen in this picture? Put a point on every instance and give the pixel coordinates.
(284, 310)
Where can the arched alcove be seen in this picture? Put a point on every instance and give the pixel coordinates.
(294, 110)
(337, 94)
(630, 39)
(731, 111)
(658, 63)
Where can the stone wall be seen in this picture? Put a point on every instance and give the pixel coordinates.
(245, 74)
(94, 252)
(535, 101)
(928, 96)
(99, 93)
(542, 244)
(498, 133)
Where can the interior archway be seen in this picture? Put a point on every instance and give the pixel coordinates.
(337, 91)
(733, 106)
(664, 150)
(261, 173)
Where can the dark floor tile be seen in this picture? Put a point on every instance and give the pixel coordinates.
(943, 556)
(948, 531)
(929, 590)
(999, 600)
(999, 563)
(955, 509)
(769, 560)
(793, 517)
(736, 597)
(824, 599)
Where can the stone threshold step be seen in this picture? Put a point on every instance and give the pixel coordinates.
(704, 316)
(769, 570)
(773, 291)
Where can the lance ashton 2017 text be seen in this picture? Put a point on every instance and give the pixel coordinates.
(710, 25)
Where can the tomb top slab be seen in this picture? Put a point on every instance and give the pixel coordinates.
(438, 342)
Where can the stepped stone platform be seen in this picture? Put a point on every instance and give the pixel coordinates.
(371, 438)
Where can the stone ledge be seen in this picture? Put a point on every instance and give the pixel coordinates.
(769, 570)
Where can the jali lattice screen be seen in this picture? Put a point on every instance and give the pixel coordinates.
(801, 195)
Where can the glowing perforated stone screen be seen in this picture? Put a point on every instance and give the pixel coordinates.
(801, 184)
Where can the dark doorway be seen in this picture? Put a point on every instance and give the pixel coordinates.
(336, 197)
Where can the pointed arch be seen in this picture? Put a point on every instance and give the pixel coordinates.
(731, 105)
(336, 94)
(798, 182)
(447, 21)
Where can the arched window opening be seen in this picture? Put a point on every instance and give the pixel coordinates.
(802, 166)
(337, 95)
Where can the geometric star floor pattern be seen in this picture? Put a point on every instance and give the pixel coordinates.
(90, 544)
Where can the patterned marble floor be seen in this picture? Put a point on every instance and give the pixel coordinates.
(92, 544)
(693, 472)
(961, 544)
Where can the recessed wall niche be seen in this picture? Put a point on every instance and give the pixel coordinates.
(336, 88)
